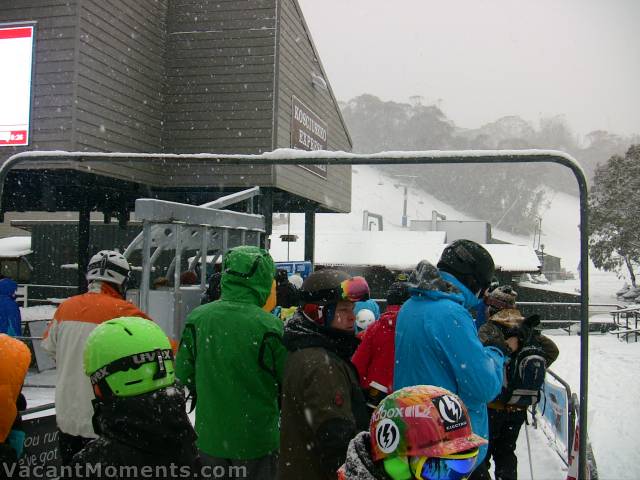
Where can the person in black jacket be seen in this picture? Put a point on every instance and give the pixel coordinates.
(286, 292)
(140, 415)
(322, 404)
(506, 420)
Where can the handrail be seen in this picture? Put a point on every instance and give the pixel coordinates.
(39, 408)
(306, 158)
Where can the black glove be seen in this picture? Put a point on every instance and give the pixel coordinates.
(491, 336)
(526, 331)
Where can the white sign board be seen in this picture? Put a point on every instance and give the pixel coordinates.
(16, 52)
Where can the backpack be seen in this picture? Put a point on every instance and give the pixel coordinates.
(525, 376)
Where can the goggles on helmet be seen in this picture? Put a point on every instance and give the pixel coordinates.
(355, 289)
(135, 361)
(447, 467)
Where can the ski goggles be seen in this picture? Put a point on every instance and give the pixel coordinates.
(355, 289)
(160, 357)
(448, 467)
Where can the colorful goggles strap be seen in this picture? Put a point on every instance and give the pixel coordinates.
(135, 361)
(355, 289)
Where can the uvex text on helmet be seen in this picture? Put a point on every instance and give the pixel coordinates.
(128, 356)
(108, 266)
(465, 257)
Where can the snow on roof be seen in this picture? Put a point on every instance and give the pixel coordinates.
(400, 250)
(513, 258)
(11, 247)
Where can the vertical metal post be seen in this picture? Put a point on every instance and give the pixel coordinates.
(225, 241)
(309, 235)
(584, 324)
(243, 237)
(177, 297)
(84, 224)
(146, 266)
(404, 207)
(267, 211)
(204, 246)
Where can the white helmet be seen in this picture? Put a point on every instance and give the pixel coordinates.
(296, 280)
(364, 318)
(108, 266)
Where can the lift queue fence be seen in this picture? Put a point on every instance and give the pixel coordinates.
(557, 405)
(26, 295)
(311, 158)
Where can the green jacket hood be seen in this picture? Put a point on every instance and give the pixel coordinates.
(247, 275)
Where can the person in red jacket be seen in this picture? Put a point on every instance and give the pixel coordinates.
(375, 354)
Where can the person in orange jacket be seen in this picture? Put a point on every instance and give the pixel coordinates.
(65, 338)
(15, 358)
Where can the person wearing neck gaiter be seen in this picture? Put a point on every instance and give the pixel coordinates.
(139, 413)
(322, 404)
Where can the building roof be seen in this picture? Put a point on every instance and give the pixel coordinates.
(397, 250)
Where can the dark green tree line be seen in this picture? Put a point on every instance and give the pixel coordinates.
(614, 210)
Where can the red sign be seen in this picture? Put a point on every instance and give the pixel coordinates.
(16, 52)
(13, 137)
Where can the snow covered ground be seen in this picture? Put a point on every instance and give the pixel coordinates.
(613, 417)
(613, 389)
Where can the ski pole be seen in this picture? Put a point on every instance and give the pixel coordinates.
(526, 431)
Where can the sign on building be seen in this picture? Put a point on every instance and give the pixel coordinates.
(296, 268)
(308, 132)
(16, 52)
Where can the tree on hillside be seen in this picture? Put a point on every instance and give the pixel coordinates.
(614, 208)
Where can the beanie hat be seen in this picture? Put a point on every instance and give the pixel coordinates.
(500, 298)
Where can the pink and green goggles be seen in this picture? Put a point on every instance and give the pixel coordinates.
(355, 289)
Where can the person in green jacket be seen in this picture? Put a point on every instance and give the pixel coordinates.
(231, 357)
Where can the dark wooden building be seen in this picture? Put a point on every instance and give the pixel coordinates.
(179, 76)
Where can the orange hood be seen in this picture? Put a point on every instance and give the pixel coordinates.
(15, 358)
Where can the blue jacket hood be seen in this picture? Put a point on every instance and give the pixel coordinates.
(8, 287)
(429, 282)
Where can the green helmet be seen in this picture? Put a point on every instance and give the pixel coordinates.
(128, 356)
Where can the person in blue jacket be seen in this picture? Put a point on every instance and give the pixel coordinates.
(9, 311)
(436, 339)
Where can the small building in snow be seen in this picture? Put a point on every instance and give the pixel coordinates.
(380, 255)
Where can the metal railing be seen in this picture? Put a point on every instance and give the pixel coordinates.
(25, 298)
(304, 158)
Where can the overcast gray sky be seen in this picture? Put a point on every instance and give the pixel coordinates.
(481, 60)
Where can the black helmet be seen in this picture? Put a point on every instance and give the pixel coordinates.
(328, 286)
(465, 258)
(398, 293)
